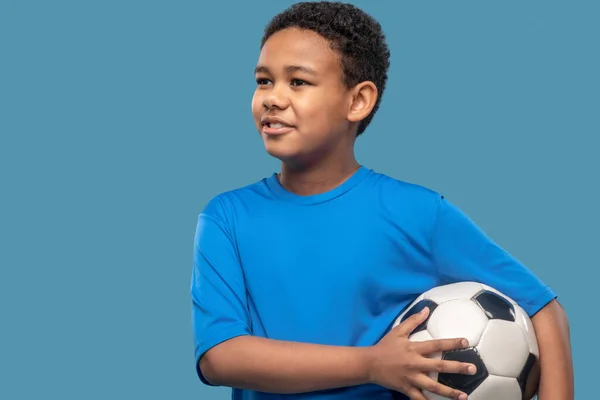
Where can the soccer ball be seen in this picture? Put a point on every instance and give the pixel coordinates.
(502, 341)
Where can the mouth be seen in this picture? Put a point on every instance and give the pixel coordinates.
(275, 125)
(271, 127)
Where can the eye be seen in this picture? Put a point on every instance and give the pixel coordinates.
(299, 82)
(262, 81)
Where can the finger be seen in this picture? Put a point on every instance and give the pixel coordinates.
(409, 325)
(439, 345)
(444, 366)
(426, 383)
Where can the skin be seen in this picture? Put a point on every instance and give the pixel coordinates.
(553, 335)
(317, 154)
(277, 366)
(299, 82)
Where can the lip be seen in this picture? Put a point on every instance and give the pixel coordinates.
(265, 121)
(276, 131)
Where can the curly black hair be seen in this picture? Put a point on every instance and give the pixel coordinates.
(355, 35)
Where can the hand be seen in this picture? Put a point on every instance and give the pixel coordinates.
(402, 365)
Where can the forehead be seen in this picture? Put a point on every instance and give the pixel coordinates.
(293, 46)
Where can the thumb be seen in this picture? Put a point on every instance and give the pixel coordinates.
(410, 324)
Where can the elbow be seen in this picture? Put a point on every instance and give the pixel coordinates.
(208, 368)
(216, 363)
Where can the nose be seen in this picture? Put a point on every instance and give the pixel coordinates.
(275, 99)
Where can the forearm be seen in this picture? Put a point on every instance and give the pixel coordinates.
(273, 366)
(552, 330)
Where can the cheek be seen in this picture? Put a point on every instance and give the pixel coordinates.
(320, 112)
(310, 109)
(256, 105)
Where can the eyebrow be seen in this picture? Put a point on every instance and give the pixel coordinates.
(289, 68)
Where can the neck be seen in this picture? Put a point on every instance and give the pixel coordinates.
(316, 179)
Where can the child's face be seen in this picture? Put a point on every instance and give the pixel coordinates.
(299, 86)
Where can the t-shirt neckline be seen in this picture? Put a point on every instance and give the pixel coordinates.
(348, 184)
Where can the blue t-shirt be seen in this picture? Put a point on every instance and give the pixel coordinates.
(336, 268)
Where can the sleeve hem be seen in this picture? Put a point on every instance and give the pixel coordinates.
(208, 344)
(533, 307)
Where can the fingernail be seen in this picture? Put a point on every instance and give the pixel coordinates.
(472, 369)
(423, 311)
(462, 397)
(464, 342)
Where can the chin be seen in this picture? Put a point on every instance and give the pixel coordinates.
(282, 151)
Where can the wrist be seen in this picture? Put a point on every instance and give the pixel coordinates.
(367, 361)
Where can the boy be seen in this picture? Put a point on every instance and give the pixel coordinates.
(297, 278)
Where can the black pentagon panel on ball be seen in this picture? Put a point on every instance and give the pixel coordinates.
(416, 309)
(463, 382)
(495, 306)
(529, 378)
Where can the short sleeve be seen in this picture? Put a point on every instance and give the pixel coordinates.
(463, 252)
(219, 305)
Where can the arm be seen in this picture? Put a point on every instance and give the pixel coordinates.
(274, 366)
(552, 331)
(287, 367)
(464, 252)
(227, 353)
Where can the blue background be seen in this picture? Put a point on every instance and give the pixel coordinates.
(120, 119)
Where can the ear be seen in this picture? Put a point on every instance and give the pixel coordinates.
(362, 101)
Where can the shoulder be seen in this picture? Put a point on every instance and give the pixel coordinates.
(223, 205)
(395, 193)
(412, 208)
